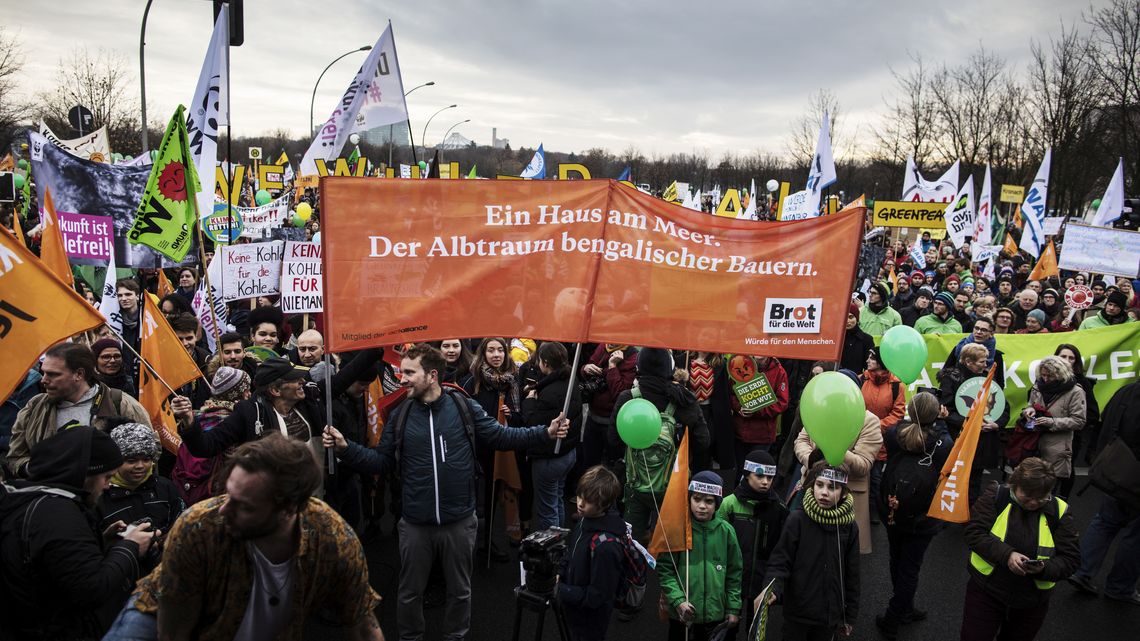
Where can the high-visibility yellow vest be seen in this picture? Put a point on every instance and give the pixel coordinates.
(1044, 541)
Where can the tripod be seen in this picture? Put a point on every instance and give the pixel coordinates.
(537, 603)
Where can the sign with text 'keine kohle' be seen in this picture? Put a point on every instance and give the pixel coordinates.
(584, 260)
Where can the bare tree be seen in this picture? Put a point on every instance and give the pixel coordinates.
(908, 128)
(968, 101)
(12, 110)
(100, 82)
(805, 131)
(1116, 53)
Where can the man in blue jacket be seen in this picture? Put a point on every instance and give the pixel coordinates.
(429, 442)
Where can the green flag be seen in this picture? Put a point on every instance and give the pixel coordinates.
(471, 174)
(166, 216)
(26, 190)
(353, 157)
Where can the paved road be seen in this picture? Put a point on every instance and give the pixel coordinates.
(941, 592)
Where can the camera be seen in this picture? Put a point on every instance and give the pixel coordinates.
(541, 552)
(591, 387)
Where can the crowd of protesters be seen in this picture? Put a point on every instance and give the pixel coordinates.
(105, 532)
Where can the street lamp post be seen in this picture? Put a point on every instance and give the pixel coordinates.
(142, 72)
(409, 123)
(445, 134)
(423, 138)
(313, 101)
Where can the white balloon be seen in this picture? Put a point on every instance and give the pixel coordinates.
(354, 139)
(773, 185)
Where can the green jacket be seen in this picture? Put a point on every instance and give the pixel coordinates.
(1097, 320)
(878, 324)
(714, 573)
(930, 324)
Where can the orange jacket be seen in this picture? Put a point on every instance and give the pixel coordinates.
(878, 393)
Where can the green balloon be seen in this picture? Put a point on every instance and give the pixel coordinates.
(262, 197)
(423, 165)
(19, 179)
(153, 155)
(903, 352)
(1096, 203)
(22, 164)
(298, 221)
(832, 409)
(639, 423)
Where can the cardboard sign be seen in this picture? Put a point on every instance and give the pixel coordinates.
(223, 224)
(302, 287)
(798, 206)
(897, 213)
(1013, 194)
(1101, 250)
(252, 270)
(1053, 225)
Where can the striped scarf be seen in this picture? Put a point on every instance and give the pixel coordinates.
(843, 514)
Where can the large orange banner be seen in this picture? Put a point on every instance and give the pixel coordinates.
(585, 260)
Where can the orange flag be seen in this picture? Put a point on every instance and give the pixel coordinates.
(1017, 217)
(506, 467)
(674, 530)
(378, 405)
(1046, 265)
(952, 499)
(1010, 246)
(36, 311)
(51, 243)
(160, 347)
(17, 231)
(894, 279)
(164, 286)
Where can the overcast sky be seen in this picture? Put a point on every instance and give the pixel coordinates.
(728, 76)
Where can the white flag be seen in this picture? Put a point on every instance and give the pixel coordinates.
(988, 272)
(750, 212)
(109, 303)
(981, 251)
(918, 189)
(984, 222)
(960, 214)
(1112, 203)
(374, 98)
(209, 111)
(94, 146)
(1033, 209)
(917, 255)
(822, 171)
(695, 203)
(202, 303)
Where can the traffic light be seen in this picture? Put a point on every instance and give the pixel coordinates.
(237, 24)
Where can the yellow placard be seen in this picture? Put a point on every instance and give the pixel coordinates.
(307, 181)
(1012, 194)
(895, 213)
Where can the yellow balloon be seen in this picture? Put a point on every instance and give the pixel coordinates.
(305, 211)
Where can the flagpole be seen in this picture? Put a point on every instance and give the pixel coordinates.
(330, 453)
(142, 360)
(570, 390)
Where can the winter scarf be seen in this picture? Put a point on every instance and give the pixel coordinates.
(990, 345)
(744, 492)
(842, 514)
(118, 481)
(502, 382)
(1050, 390)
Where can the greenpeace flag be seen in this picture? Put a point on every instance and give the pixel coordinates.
(918, 189)
(537, 166)
(1033, 209)
(589, 261)
(959, 215)
(1112, 203)
(166, 217)
(822, 171)
(983, 220)
(209, 111)
(374, 98)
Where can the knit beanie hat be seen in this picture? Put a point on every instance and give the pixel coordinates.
(853, 310)
(954, 278)
(229, 381)
(851, 375)
(105, 454)
(917, 274)
(760, 462)
(884, 290)
(104, 344)
(1117, 298)
(707, 482)
(655, 362)
(946, 298)
(136, 440)
(1051, 292)
(1036, 315)
(926, 292)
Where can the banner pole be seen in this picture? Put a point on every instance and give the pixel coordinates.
(140, 357)
(570, 389)
(330, 453)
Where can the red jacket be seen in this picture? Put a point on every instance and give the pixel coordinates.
(878, 394)
(760, 428)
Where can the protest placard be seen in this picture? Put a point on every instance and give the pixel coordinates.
(87, 239)
(894, 213)
(251, 270)
(1102, 250)
(302, 288)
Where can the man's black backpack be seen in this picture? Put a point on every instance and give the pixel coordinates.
(399, 421)
(909, 482)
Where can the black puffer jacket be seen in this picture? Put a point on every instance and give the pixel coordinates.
(546, 407)
(807, 565)
(69, 573)
(155, 498)
(589, 579)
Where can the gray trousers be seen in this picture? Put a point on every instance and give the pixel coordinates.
(454, 546)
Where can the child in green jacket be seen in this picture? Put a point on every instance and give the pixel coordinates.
(757, 515)
(707, 595)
